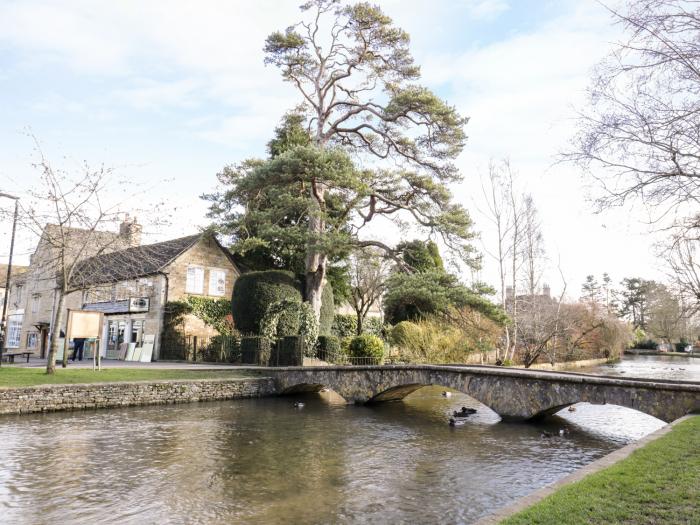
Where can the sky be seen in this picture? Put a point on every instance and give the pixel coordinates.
(168, 92)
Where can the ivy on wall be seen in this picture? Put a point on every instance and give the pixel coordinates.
(214, 312)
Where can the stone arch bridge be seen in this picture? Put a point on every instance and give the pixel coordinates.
(514, 394)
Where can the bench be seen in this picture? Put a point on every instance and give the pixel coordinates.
(11, 355)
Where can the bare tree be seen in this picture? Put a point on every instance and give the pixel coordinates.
(369, 269)
(505, 211)
(72, 216)
(639, 135)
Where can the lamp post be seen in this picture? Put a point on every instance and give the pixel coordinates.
(3, 319)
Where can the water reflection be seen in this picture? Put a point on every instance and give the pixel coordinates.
(264, 461)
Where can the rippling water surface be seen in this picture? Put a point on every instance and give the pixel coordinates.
(264, 461)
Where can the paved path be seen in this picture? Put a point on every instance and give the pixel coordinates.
(115, 363)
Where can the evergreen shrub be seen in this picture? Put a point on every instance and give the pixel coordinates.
(255, 291)
(367, 345)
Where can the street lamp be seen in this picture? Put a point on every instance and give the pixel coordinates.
(3, 319)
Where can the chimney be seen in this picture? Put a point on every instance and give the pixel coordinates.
(130, 231)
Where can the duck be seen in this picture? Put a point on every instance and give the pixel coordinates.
(446, 394)
(298, 404)
(464, 412)
(563, 431)
(456, 422)
(572, 408)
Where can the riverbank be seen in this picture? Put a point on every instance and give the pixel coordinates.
(19, 377)
(106, 394)
(658, 482)
(634, 351)
(570, 365)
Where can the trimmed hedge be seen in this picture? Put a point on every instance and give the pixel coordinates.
(328, 345)
(325, 323)
(367, 345)
(254, 291)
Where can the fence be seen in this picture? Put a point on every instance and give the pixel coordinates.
(217, 349)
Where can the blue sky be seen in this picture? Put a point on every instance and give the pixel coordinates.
(168, 92)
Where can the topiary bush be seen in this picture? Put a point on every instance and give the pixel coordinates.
(255, 291)
(368, 346)
(328, 347)
(325, 323)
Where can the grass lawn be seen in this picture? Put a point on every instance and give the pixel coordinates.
(657, 484)
(14, 377)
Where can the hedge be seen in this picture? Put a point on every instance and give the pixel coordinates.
(367, 345)
(254, 291)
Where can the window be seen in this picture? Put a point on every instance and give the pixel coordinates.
(32, 338)
(195, 280)
(35, 303)
(217, 282)
(19, 293)
(14, 330)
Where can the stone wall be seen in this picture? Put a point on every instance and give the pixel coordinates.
(46, 398)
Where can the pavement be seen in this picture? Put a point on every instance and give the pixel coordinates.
(35, 362)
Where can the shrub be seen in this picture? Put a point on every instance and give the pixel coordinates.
(325, 322)
(255, 291)
(367, 345)
(680, 346)
(289, 318)
(405, 333)
(648, 344)
(344, 325)
(373, 325)
(431, 341)
(328, 347)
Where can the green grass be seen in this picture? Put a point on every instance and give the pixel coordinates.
(17, 377)
(657, 484)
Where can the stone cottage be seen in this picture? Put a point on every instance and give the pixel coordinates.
(131, 285)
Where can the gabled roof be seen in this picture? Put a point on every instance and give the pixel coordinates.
(131, 263)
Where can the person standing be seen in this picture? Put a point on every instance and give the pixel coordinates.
(78, 345)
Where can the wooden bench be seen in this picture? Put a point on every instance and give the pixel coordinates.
(11, 355)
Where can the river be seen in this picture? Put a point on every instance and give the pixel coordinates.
(265, 461)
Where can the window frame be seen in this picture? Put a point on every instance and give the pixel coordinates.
(213, 271)
(14, 330)
(187, 279)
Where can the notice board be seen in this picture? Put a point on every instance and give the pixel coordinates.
(84, 324)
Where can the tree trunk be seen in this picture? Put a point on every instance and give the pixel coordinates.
(56, 323)
(315, 280)
(360, 320)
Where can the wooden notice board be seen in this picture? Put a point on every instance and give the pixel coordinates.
(84, 324)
